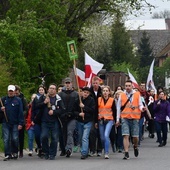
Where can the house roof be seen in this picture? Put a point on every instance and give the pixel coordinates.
(158, 39)
(164, 51)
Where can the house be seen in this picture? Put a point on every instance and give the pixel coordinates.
(163, 54)
(158, 31)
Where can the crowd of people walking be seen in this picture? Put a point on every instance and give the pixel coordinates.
(92, 119)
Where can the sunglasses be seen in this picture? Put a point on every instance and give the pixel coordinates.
(67, 82)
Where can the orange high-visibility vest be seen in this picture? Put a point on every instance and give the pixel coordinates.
(105, 110)
(131, 110)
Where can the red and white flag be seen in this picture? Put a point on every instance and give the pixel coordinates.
(92, 67)
(150, 84)
(81, 77)
(134, 82)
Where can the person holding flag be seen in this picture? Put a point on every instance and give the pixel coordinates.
(84, 111)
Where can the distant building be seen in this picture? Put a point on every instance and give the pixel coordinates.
(158, 31)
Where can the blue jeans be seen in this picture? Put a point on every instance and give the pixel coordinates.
(130, 127)
(30, 132)
(105, 129)
(84, 133)
(49, 130)
(161, 128)
(10, 138)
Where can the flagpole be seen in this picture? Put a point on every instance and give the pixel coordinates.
(78, 88)
(4, 111)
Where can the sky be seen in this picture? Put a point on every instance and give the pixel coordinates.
(160, 5)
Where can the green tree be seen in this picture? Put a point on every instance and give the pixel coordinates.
(123, 68)
(24, 44)
(122, 48)
(5, 76)
(145, 51)
(72, 14)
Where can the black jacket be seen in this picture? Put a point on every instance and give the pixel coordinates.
(88, 109)
(68, 97)
(99, 93)
(57, 107)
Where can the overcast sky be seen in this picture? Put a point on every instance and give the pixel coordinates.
(160, 5)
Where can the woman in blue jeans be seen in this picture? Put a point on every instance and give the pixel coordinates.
(106, 111)
(30, 127)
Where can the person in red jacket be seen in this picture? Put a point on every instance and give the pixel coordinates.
(29, 127)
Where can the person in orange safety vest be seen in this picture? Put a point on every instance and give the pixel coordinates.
(129, 107)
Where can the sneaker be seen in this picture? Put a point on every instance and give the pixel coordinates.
(83, 156)
(68, 153)
(136, 151)
(91, 154)
(75, 149)
(164, 143)
(46, 156)
(14, 156)
(160, 145)
(30, 153)
(8, 157)
(126, 155)
(106, 156)
(120, 150)
(52, 157)
(39, 152)
(99, 154)
(62, 154)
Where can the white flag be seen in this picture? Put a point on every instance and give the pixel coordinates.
(150, 84)
(81, 77)
(92, 67)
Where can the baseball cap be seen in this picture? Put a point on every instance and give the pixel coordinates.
(67, 79)
(11, 87)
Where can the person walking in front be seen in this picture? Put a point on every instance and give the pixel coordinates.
(69, 96)
(51, 109)
(84, 111)
(13, 121)
(161, 109)
(129, 107)
(106, 112)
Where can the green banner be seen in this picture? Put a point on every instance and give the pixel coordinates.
(72, 50)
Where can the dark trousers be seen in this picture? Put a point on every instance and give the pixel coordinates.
(113, 136)
(151, 126)
(161, 130)
(37, 132)
(61, 139)
(95, 143)
(49, 136)
(21, 139)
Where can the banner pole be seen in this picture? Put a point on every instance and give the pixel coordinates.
(78, 88)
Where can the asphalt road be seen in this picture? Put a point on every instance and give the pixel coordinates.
(151, 157)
